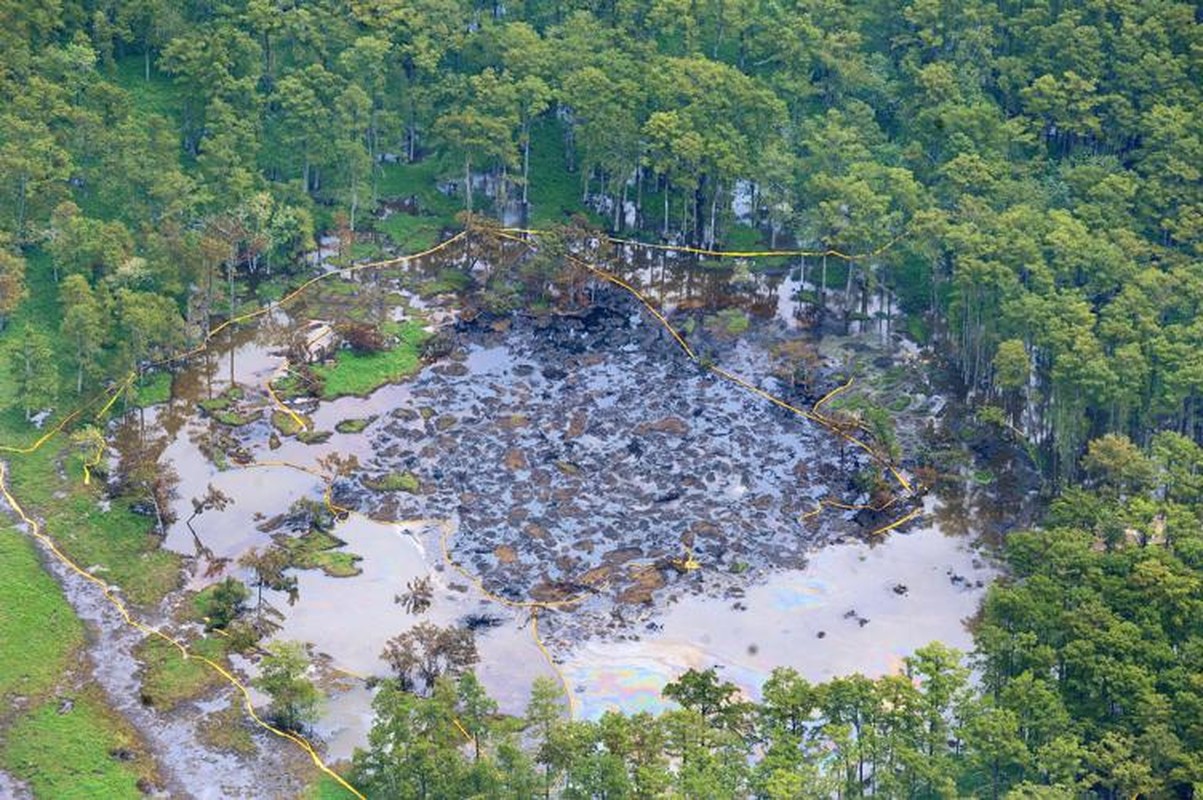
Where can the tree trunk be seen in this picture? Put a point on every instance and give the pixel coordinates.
(525, 166)
(664, 232)
(848, 301)
(823, 287)
(712, 236)
(468, 183)
(79, 372)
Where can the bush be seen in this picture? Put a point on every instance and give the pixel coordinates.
(225, 603)
(362, 337)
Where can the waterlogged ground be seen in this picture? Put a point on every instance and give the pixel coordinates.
(855, 607)
(575, 458)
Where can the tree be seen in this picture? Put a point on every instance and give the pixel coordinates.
(480, 132)
(545, 714)
(425, 652)
(34, 166)
(33, 370)
(82, 326)
(212, 500)
(702, 692)
(268, 567)
(475, 709)
(12, 283)
(294, 698)
(225, 602)
(413, 746)
(1118, 464)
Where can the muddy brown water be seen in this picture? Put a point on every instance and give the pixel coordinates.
(571, 459)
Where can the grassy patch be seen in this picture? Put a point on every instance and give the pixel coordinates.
(327, 788)
(917, 329)
(236, 419)
(314, 437)
(154, 389)
(394, 482)
(118, 542)
(411, 233)
(288, 425)
(365, 251)
(289, 388)
(730, 321)
(555, 193)
(983, 477)
(223, 401)
(418, 180)
(38, 630)
(170, 679)
(159, 95)
(319, 550)
(449, 281)
(354, 425)
(85, 752)
(361, 373)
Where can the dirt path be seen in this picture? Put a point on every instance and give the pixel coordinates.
(187, 767)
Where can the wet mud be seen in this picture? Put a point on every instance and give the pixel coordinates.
(581, 455)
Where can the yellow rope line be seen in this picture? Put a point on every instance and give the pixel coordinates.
(35, 530)
(296, 418)
(94, 462)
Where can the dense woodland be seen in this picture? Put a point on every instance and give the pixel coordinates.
(1026, 174)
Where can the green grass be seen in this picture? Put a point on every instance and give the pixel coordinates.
(288, 425)
(118, 542)
(436, 210)
(361, 373)
(319, 550)
(154, 389)
(73, 755)
(160, 95)
(365, 251)
(394, 482)
(38, 630)
(731, 321)
(170, 679)
(227, 730)
(449, 281)
(327, 788)
(223, 401)
(236, 419)
(412, 234)
(354, 425)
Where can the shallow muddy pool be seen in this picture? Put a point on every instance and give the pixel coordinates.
(853, 608)
(351, 619)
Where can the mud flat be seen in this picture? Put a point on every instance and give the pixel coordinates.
(581, 456)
